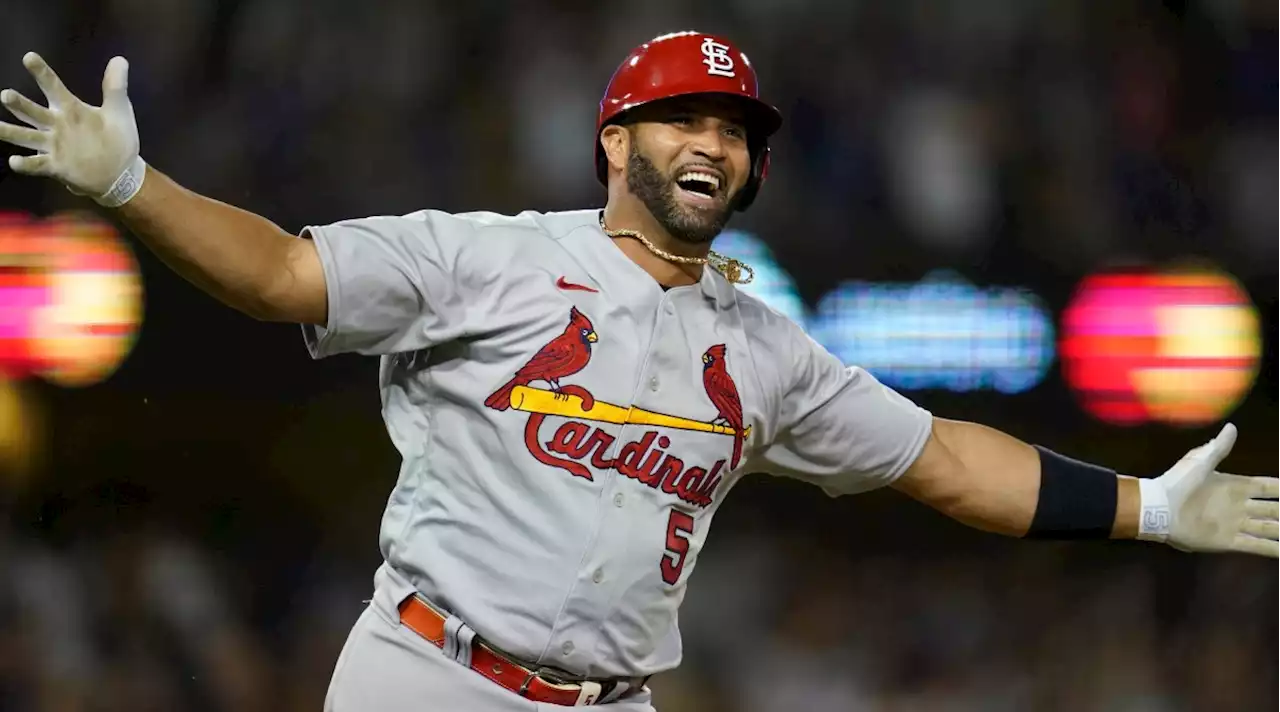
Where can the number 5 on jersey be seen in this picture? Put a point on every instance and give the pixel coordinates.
(679, 527)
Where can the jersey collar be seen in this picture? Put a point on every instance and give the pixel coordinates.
(713, 285)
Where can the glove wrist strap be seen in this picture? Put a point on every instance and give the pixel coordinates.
(126, 186)
(1156, 517)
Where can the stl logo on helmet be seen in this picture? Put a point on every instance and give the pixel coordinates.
(717, 59)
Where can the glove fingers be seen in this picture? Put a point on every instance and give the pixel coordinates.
(1221, 446)
(1265, 487)
(54, 90)
(1246, 544)
(26, 110)
(115, 82)
(1262, 510)
(1261, 529)
(39, 165)
(23, 136)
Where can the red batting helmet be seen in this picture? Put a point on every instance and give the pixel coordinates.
(685, 63)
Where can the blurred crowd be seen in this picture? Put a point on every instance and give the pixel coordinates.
(150, 621)
(1027, 139)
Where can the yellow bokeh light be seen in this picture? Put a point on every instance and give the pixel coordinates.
(74, 298)
(21, 435)
(1180, 346)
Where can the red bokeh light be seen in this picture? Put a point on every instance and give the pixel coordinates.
(70, 298)
(1179, 346)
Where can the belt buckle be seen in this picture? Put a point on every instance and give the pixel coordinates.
(543, 674)
(589, 692)
(552, 676)
(524, 686)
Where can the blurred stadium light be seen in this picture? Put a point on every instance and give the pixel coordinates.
(1174, 346)
(21, 435)
(941, 333)
(70, 298)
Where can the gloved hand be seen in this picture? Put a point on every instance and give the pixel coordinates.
(1193, 507)
(92, 150)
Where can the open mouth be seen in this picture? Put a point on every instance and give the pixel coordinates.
(699, 186)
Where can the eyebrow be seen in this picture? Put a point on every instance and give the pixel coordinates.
(730, 114)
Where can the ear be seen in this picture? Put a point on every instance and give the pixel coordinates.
(615, 140)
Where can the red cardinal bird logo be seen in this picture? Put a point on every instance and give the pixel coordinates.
(563, 356)
(724, 395)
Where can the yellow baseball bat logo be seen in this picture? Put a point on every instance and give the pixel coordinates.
(567, 405)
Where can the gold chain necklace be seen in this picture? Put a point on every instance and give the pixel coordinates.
(727, 266)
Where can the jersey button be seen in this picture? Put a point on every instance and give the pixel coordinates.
(618, 499)
(567, 647)
(653, 383)
(598, 576)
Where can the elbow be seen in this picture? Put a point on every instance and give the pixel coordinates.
(263, 313)
(948, 478)
(292, 289)
(268, 302)
(243, 295)
(282, 307)
(937, 478)
(958, 503)
(985, 520)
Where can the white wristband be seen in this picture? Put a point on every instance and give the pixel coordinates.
(1156, 518)
(126, 186)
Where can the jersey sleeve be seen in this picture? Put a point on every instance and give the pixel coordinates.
(839, 427)
(396, 283)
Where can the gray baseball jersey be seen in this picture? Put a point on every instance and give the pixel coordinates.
(568, 428)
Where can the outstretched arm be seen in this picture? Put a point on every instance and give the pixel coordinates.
(239, 258)
(989, 480)
(839, 428)
(992, 481)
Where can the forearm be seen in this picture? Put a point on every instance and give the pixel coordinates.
(239, 258)
(992, 481)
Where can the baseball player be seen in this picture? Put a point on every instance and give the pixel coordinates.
(574, 394)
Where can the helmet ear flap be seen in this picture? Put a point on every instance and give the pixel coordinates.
(759, 171)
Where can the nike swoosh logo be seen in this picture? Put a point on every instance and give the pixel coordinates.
(561, 283)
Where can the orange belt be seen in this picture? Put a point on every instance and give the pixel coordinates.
(537, 685)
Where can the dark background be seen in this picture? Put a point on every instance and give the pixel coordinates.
(198, 532)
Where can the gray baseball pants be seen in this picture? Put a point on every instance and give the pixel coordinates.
(386, 667)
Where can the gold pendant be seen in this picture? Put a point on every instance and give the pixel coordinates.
(727, 266)
(732, 269)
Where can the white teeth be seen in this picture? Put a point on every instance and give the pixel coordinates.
(699, 175)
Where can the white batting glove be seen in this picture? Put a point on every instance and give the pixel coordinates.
(1193, 507)
(91, 150)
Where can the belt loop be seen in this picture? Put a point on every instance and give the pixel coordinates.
(458, 637)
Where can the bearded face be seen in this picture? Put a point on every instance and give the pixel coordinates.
(692, 210)
(687, 163)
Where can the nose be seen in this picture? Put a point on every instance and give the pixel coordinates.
(708, 143)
